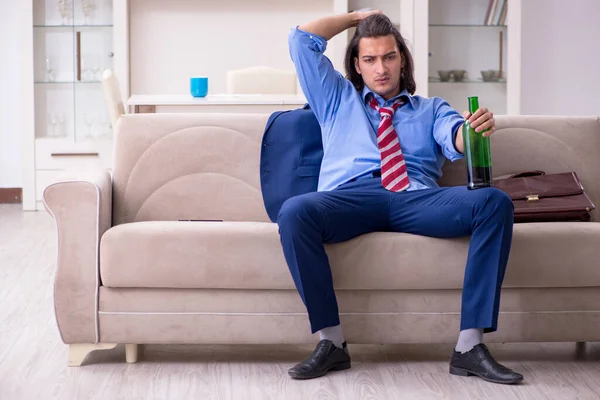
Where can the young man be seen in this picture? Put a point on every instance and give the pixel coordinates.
(383, 153)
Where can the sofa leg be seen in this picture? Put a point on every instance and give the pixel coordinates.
(131, 353)
(78, 351)
(580, 350)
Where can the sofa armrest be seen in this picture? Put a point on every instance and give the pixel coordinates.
(81, 206)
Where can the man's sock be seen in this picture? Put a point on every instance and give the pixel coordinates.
(334, 334)
(468, 339)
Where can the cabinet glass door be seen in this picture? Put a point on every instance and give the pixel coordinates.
(72, 46)
(93, 54)
(53, 68)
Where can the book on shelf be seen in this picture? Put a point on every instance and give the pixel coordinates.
(496, 12)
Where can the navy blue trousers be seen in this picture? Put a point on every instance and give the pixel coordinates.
(309, 221)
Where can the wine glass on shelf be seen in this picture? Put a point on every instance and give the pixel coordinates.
(95, 67)
(89, 120)
(50, 76)
(86, 67)
(60, 125)
(52, 122)
(88, 7)
(105, 125)
(65, 7)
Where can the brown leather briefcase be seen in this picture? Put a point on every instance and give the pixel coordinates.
(538, 197)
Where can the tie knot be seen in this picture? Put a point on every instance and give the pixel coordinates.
(385, 111)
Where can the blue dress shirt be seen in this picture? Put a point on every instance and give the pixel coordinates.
(426, 127)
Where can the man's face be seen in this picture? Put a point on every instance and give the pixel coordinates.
(380, 64)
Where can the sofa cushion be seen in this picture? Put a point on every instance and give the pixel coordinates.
(248, 255)
(188, 165)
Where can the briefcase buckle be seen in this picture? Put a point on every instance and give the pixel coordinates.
(532, 198)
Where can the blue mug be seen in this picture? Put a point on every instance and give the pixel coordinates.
(199, 86)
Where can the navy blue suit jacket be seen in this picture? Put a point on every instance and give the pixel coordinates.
(290, 159)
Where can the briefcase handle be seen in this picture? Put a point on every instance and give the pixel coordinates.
(524, 174)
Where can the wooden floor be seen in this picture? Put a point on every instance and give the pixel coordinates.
(33, 358)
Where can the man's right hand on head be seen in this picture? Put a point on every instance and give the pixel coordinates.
(364, 13)
(328, 27)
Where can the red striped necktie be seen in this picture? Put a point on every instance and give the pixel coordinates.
(393, 167)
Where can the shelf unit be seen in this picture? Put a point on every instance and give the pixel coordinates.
(449, 36)
(465, 81)
(69, 126)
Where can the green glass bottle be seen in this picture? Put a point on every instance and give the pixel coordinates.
(478, 154)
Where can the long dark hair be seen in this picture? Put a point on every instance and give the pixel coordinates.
(378, 25)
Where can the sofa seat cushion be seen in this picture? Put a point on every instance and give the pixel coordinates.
(248, 255)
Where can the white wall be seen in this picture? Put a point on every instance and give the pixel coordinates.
(10, 96)
(561, 57)
(171, 41)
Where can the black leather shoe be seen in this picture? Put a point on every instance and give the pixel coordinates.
(326, 357)
(478, 361)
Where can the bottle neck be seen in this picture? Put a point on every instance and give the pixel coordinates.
(473, 104)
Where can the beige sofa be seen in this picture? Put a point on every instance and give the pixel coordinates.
(129, 272)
